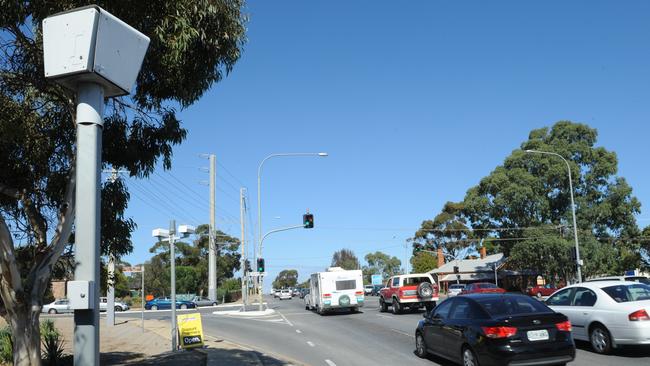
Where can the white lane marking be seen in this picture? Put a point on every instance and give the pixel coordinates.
(285, 318)
(298, 331)
(330, 363)
(402, 333)
(383, 316)
(311, 344)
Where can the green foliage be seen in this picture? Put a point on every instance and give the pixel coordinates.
(6, 346)
(232, 284)
(52, 343)
(448, 230)
(423, 262)
(545, 253)
(380, 263)
(286, 278)
(346, 259)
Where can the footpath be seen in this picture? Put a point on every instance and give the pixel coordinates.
(126, 344)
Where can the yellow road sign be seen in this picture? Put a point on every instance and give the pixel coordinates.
(190, 330)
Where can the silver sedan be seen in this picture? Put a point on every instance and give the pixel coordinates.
(58, 306)
(608, 314)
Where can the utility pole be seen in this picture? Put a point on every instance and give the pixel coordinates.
(212, 252)
(242, 208)
(142, 300)
(172, 260)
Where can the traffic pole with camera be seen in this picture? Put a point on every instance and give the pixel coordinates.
(96, 55)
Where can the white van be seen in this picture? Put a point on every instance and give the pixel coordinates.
(335, 289)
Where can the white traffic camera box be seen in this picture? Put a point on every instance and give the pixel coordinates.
(89, 44)
(81, 295)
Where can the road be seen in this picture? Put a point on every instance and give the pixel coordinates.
(365, 338)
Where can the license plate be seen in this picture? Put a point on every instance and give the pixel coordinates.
(537, 335)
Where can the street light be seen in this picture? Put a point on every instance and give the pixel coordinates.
(573, 207)
(168, 235)
(259, 205)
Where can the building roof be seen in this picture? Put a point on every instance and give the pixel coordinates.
(472, 265)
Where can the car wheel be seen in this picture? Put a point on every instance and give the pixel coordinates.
(154, 307)
(396, 308)
(420, 349)
(52, 311)
(539, 295)
(183, 306)
(600, 340)
(118, 309)
(383, 307)
(214, 304)
(469, 357)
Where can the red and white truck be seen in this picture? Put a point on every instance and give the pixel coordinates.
(412, 291)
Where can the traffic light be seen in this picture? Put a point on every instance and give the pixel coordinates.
(247, 266)
(260, 264)
(456, 269)
(308, 221)
(572, 254)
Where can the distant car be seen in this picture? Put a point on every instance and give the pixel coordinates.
(641, 279)
(376, 289)
(204, 301)
(304, 292)
(118, 305)
(455, 289)
(367, 289)
(608, 314)
(166, 303)
(482, 288)
(58, 306)
(276, 293)
(539, 291)
(495, 330)
(285, 294)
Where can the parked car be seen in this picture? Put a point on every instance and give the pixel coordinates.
(412, 291)
(276, 293)
(166, 303)
(540, 291)
(376, 289)
(204, 301)
(455, 289)
(57, 306)
(495, 329)
(304, 292)
(335, 289)
(285, 294)
(608, 314)
(118, 305)
(641, 279)
(482, 288)
(367, 289)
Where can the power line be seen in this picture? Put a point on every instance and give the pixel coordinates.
(229, 173)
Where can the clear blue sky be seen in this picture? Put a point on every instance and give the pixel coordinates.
(415, 102)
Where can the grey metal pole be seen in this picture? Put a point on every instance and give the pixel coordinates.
(110, 292)
(172, 260)
(242, 243)
(496, 279)
(212, 251)
(143, 298)
(90, 99)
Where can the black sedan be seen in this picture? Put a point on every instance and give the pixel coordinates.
(495, 329)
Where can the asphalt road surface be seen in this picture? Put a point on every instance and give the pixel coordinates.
(365, 338)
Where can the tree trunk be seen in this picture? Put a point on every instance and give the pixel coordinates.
(26, 337)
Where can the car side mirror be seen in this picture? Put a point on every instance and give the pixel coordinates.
(425, 314)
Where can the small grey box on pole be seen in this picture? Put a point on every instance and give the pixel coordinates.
(96, 55)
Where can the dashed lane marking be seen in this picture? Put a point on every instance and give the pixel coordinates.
(285, 318)
(298, 331)
(330, 363)
(383, 316)
(402, 333)
(311, 344)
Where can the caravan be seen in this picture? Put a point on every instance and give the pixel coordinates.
(335, 289)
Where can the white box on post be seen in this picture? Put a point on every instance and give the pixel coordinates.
(80, 294)
(89, 44)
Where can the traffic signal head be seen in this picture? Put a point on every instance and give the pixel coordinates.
(308, 221)
(260, 264)
(456, 269)
(247, 266)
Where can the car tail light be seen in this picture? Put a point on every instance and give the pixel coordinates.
(499, 332)
(639, 315)
(564, 326)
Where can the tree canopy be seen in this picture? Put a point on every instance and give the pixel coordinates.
(380, 263)
(286, 278)
(346, 259)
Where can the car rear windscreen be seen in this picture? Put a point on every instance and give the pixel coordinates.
(622, 293)
(512, 305)
(346, 285)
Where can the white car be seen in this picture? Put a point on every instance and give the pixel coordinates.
(285, 294)
(367, 289)
(455, 289)
(58, 306)
(118, 305)
(608, 314)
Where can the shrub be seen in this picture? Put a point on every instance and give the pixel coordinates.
(6, 346)
(52, 341)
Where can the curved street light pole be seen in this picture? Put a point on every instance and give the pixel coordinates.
(573, 207)
(259, 206)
